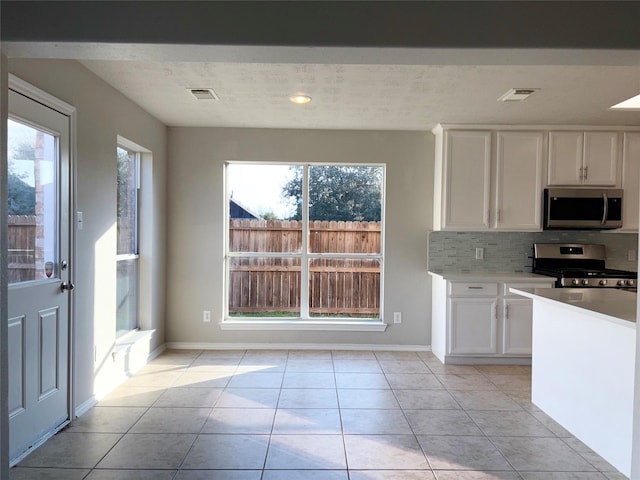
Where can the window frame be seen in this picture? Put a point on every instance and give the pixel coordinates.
(304, 321)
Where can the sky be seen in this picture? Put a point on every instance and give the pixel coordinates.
(259, 187)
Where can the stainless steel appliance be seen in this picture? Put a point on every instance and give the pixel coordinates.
(579, 265)
(583, 208)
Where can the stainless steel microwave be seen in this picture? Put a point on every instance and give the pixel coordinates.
(582, 208)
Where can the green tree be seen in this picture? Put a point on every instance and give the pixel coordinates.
(125, 180)
(21, 197)
(338, 192)
(268, 215)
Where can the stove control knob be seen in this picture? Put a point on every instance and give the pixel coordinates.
(585, 282)
(575, 281)
(631, 283)
(622, 283)
(603, 282)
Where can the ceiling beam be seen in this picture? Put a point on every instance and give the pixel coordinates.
(400, 24)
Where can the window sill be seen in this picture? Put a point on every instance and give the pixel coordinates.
(291, 324)
(132, 339)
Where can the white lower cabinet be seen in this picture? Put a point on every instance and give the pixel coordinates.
(482, 322)
(517, 316)
(473, 326)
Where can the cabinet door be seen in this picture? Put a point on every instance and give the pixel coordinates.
(517, 318)
(466, 185)
(600, 158)
(630, 181)
(472, 326)
(519, 181)
(565, 158)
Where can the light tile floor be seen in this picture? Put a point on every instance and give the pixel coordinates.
(316, 415)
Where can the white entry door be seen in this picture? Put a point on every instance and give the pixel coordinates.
(38, 270)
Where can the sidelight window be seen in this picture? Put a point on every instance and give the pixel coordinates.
(127, 255)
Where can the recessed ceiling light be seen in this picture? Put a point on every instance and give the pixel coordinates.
(632, 103)
(300, 99)
(517, 94)
(204, 93)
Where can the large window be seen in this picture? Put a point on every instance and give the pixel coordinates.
(128, 257)
(304, 241)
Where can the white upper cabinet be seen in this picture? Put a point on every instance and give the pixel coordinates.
(583, 158)
(466, 186)
(478, 187)
(630, 179)
(518, 186)
(565, 158)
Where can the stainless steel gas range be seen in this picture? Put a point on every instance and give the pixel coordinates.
(579, 265)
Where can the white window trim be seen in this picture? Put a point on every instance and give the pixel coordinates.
(334, 324)
(304, 322)
(133, 147)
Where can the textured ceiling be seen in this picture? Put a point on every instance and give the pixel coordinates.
(371, 96)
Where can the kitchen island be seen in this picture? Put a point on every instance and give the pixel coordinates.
(583, 358)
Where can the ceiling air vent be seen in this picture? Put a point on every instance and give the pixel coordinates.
(517, 94)
(204, 93)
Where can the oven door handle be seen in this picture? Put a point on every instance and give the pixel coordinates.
(605, 209)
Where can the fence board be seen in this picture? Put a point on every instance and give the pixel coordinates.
(345, 287)
(21, 247)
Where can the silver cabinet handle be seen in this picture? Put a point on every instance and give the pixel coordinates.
(586, 172)
(475, 288)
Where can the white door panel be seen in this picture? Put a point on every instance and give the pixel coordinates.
(38, 244)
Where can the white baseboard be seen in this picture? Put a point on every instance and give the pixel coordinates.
(295, 346)
(85, 406)
(157, 352)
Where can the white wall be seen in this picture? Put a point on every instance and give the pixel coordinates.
(102, 115)
(196, 221)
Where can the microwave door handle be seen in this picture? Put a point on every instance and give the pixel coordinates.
(605, 210)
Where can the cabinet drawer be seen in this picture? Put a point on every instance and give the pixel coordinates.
(473, 289)
(507, 286)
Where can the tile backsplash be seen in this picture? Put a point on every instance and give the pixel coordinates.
(512, 251)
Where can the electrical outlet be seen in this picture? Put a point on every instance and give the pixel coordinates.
(631, 255)
(479, 253)
(206, 316)
(397, 317)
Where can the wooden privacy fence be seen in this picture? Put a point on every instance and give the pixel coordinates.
(21, 247)
(271, 286)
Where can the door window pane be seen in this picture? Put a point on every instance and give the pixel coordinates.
(32, 184)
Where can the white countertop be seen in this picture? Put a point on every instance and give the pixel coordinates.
(491, 277)
(610, 304)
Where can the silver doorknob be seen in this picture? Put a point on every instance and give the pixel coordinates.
(67, 286)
